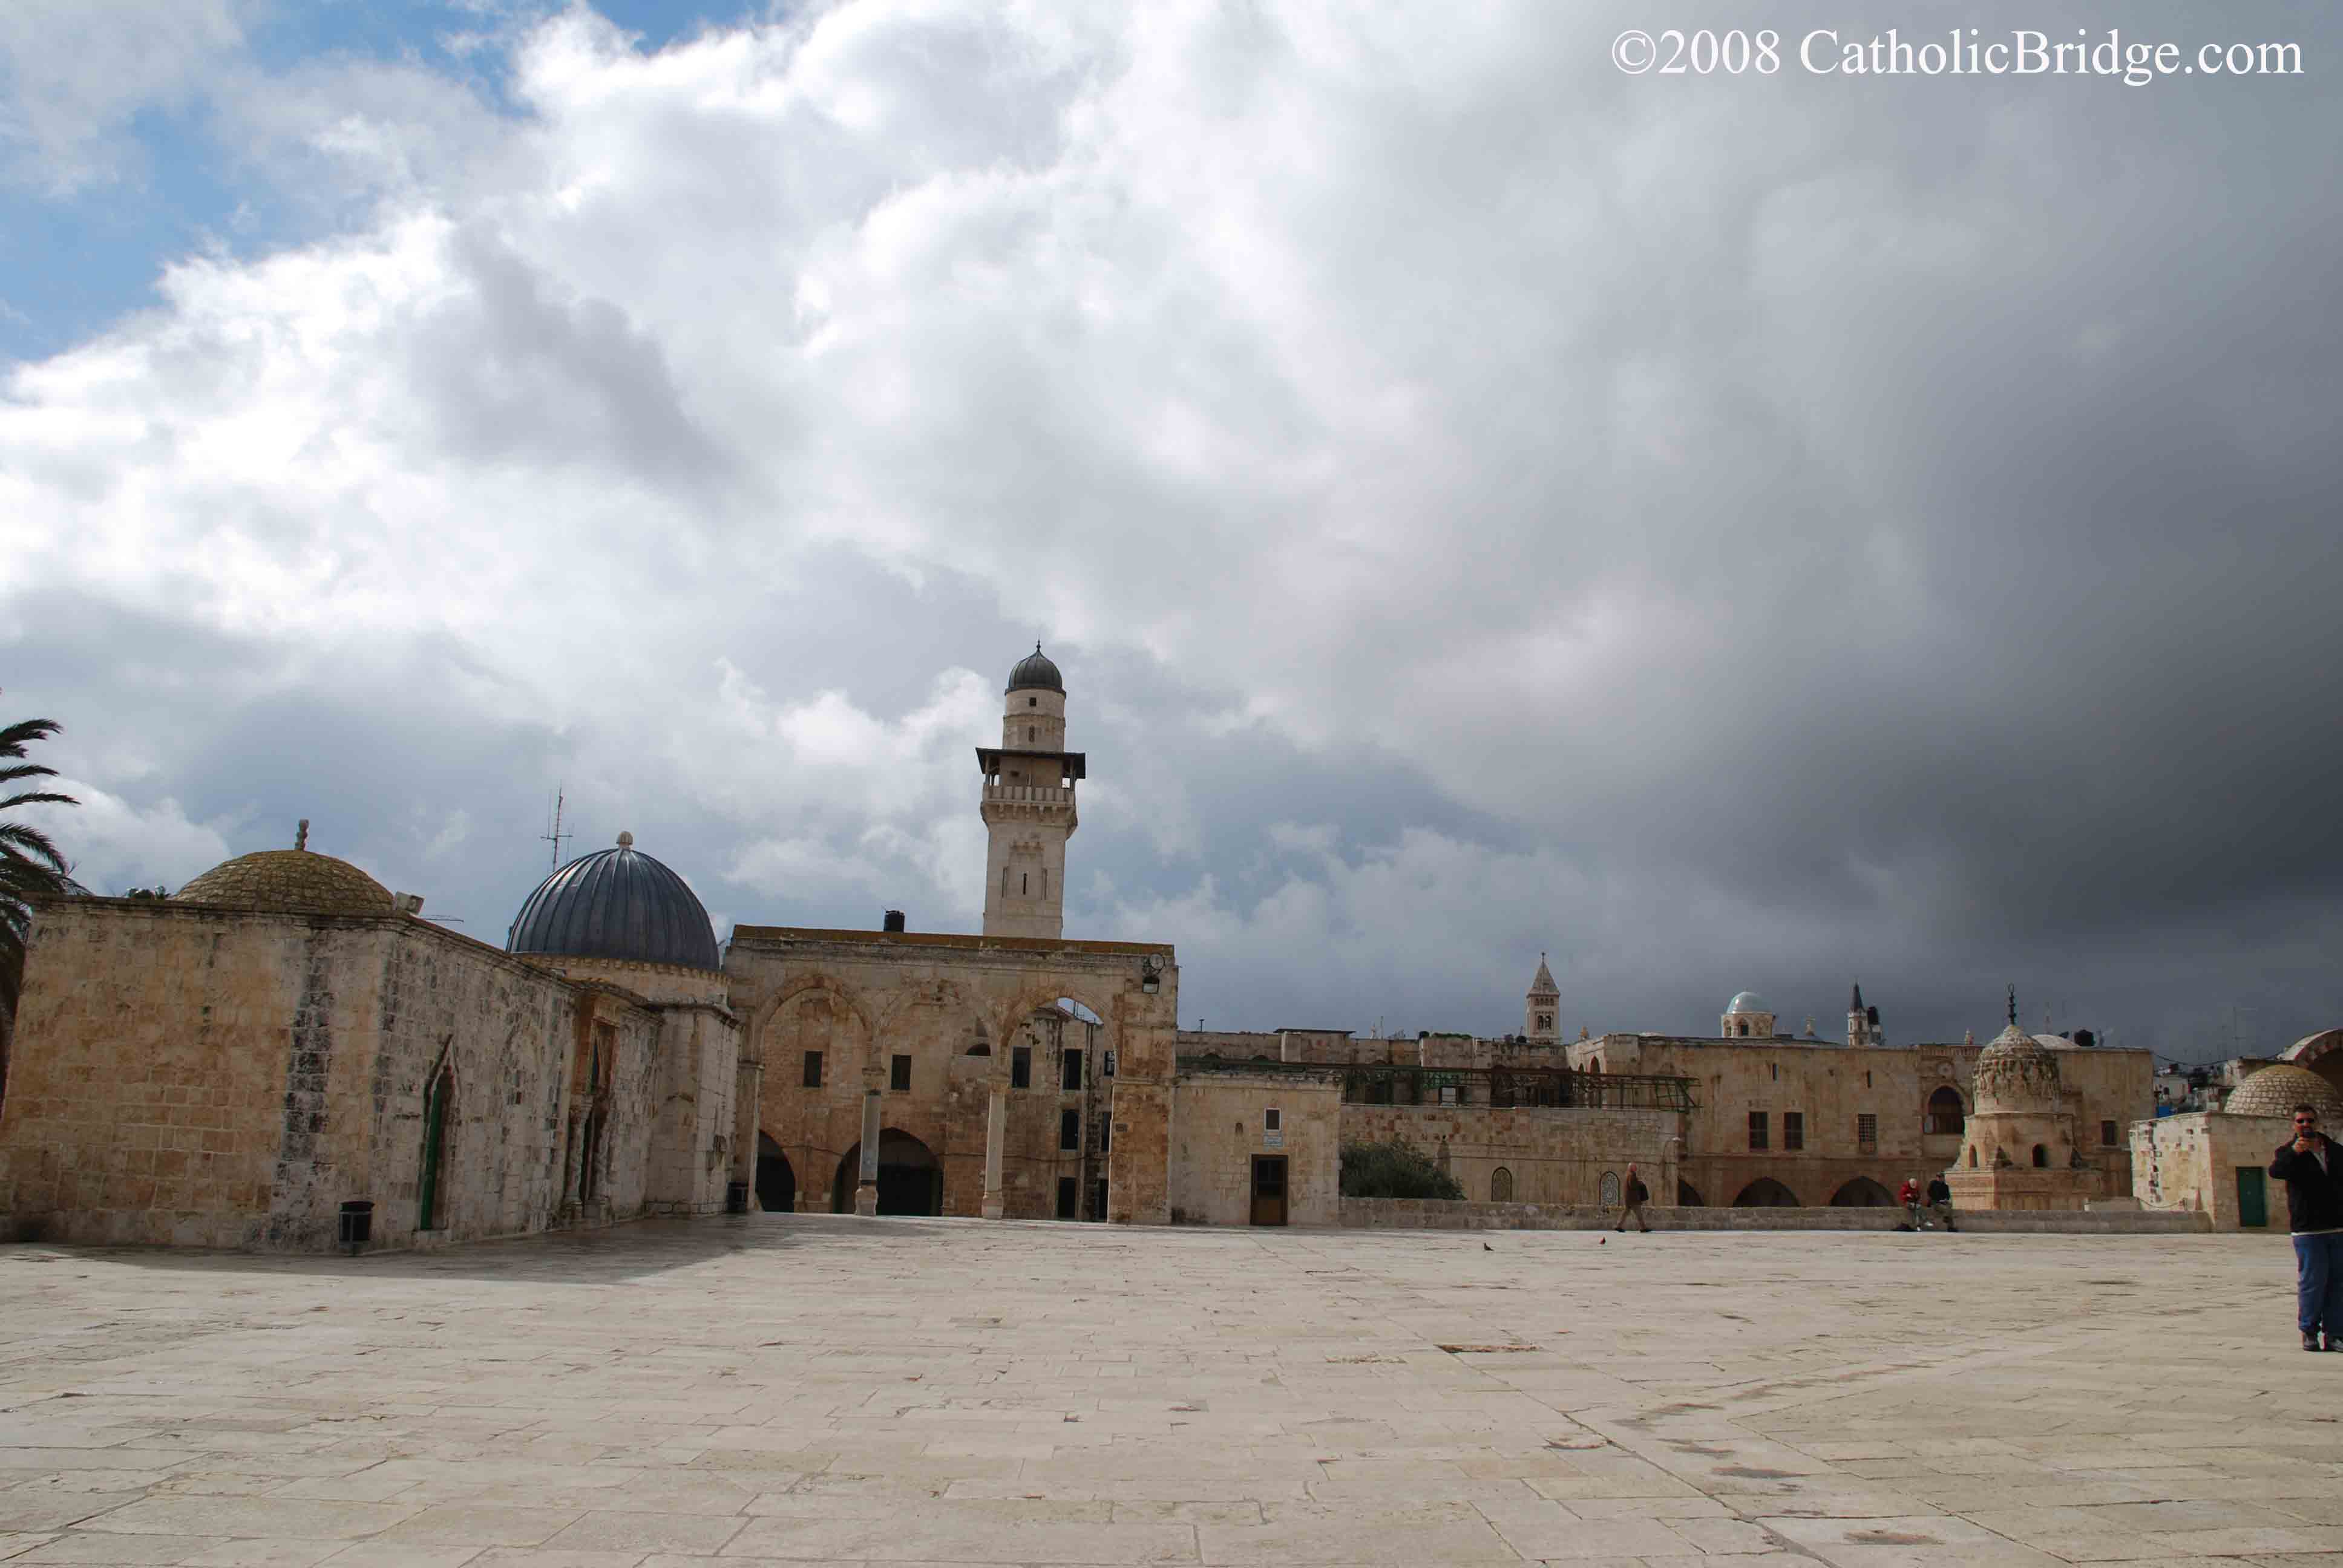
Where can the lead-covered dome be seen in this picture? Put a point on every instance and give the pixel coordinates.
(289, 881)
(1745, 1001)
(2278, 1089)
(617, 904)
(1035, 673)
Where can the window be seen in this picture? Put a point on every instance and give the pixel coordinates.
(1106, 1136)
(1032, 703)
(1005, 882)
(1020, 1067)
(2107, 1133)
(1448, 1094)
(1944, 1118)
(1070, 1069)
(1028, 734)
(1794, 1130)
(1756, 1129)
(2041, 1158)
(1070, 1129)
(1866, 1133)
(813, 1070)
(1106, 1064)
(1501, 1185)
(899, 1075)
(1271, 1120)
(1045, 881)
(1024, 883)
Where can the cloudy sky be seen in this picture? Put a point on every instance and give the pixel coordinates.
(1735, 531)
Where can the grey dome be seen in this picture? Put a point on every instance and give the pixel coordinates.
(1745, 1001)
(616, 904)
(1035, 673)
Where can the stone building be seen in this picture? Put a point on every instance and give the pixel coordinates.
(2019, 1149)
(2216, 1162)
(232, 1066)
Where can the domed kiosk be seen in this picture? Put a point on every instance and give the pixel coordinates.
(620, 905)
(1746, 1017)
(2018, 1149)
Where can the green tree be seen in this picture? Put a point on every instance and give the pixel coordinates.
(1394, 1170)
(30, 864)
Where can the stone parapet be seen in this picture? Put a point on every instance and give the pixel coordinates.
(1430, 1214)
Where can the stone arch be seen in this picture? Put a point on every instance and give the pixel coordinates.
(1031, 998)
(844, 1004)
(2322, 1053)
(911, 1177)
(777, 1179)
(432, 1201)
(1688, 1196)
(1863, 1192)
(1766, 1194)
(1946, 1114)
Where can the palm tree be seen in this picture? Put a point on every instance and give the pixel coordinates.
(30, 864)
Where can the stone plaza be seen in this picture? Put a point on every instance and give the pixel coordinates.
(802, 1389)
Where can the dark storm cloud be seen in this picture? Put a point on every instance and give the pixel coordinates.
(1761, 532)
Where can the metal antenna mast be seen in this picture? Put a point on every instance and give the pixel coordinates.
(555, 835)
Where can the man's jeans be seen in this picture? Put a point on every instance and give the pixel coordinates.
(2318, 1282)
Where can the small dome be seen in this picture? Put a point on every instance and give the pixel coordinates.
(616, 904)
(1035, 673)
(2016, 1072)
(2278, 1089)
(1745, 1001)
(289, 881)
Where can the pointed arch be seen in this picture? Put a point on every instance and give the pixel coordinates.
(439, 1105)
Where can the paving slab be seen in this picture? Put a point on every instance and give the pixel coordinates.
(802, 1389)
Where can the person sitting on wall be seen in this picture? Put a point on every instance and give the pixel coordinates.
(1940, 1199)
(1908, 1195)
(1632, 1196)
(2313, 1173)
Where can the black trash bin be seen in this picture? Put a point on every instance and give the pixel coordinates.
(736, 1197)
(358, 1224)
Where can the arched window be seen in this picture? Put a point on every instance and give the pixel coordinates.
(1743, 1030)
(1501, 1185)
(1946, 1113)
(1973, 1165)
(2041, 1158)
(1610, 1189)
(427, 1206)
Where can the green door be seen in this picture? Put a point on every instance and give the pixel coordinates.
(2253, 1203)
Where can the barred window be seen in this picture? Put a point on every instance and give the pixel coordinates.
(1794, 1130)
(1756, 1129)
(1866, 1133)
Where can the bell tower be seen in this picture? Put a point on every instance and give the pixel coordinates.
(1542, 1015)
(1029, 805)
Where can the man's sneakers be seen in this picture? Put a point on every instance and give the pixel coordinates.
(2310, 1339)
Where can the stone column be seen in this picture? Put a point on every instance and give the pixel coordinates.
(996, 1124)
(866, 1189)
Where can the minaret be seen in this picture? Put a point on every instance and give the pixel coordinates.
(1542, 1016)
(1028, 806)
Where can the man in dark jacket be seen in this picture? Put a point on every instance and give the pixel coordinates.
(1635, 1195)
(2312, 1166)
(1940, 1201)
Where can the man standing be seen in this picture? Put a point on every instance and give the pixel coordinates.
(1940, 1199)
(2313, 1174)
(1632, 1196)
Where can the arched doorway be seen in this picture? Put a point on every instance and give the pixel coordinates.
(1765, 1193)
(911, 1182)
(1863, 1192)
(1946, 1117)
(1688, 1196)
(776, 1182)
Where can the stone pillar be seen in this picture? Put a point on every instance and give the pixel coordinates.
(748, 1095)
(866, 1188)
(996, 1126)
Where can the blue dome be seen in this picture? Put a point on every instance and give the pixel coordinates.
(616, 904)
(1745, 1001)
(1035, 673)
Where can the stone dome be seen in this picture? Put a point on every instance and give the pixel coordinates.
(616, 903)
(1035, 673)
(1746, 1001)
(289, 881)
(2016, 1073)
(2278, 1089)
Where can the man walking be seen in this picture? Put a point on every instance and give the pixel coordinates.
(2312, 1170)
(1940, 1200)
(1632, 1196)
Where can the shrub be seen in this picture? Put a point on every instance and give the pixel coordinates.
(1394, 1169)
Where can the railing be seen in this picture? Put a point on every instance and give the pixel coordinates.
(1496, 1088)
(1043, 794)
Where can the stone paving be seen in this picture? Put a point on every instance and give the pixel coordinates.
(801, 1389)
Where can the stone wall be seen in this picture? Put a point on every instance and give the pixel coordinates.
(1832, 1087)
(205, 1077)
(2190, 1163)
(1220, 1123)
(1552, 1156)
(1420, 1214)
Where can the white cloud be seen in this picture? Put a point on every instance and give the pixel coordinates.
(114, 845)
(73, 74)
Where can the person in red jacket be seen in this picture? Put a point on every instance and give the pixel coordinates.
(1908, 1195)
(2312, 1166)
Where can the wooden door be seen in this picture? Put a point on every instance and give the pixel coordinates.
(2253, 1201)
(1269, 1188)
